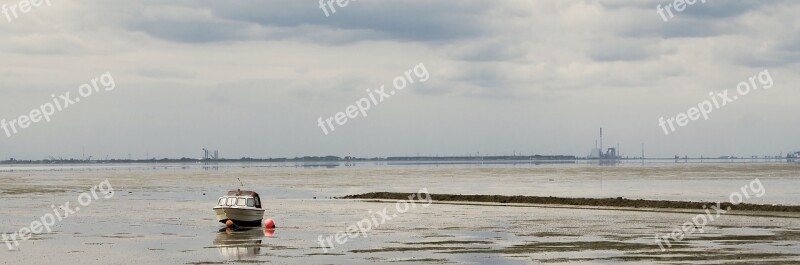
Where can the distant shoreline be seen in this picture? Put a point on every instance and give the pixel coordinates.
(302, 159)
(600, 202)
(549, 159)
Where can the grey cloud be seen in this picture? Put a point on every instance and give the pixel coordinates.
(193, 30)
(620, 51)
(492, 51)
(360, 20)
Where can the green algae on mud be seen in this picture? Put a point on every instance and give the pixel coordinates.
(31, 190)
(451, 242)
(600, 202)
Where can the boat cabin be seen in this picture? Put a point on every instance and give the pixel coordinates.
(240, 198)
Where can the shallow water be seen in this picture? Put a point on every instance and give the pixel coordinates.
(162, 214)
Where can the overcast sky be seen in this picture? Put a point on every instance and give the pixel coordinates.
(251, 78)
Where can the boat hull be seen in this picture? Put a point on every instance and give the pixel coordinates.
(240, 216)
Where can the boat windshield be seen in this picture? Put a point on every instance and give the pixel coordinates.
(247, 201)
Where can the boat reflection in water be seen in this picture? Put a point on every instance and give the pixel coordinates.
(241, 243)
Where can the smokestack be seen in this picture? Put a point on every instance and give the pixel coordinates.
(601, 141)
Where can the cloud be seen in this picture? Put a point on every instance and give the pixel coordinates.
(268, 69)
(215, 21)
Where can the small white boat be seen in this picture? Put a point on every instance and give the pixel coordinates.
(242, 207)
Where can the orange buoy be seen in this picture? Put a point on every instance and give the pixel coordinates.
(229, 223)
(269, 224)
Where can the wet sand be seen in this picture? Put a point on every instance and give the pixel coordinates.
(163, 216)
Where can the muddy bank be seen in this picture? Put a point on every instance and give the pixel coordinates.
(608, 202)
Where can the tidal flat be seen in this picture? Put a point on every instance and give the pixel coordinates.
(161, 214)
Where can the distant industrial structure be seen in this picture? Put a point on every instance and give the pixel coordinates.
(208, 155)
(793, 157)
(610, 155)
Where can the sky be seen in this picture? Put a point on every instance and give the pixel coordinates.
(253, 78)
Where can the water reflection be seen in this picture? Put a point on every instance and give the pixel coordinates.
(242, 242)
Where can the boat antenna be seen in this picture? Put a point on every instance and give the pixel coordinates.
(240, 182)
